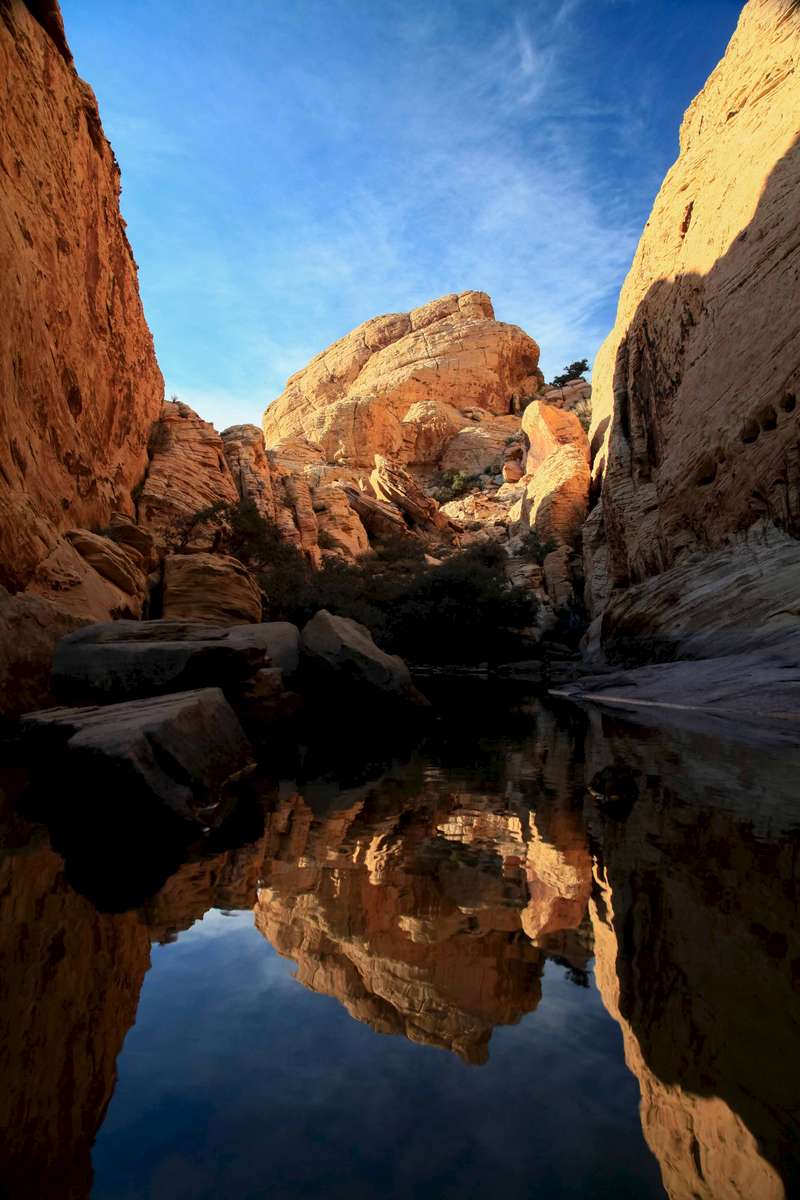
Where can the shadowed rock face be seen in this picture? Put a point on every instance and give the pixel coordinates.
(69, 991)
(694, 917)
(79, 381)
(696, 424)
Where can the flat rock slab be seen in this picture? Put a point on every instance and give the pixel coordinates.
(756, 689)
(126, 660)
(178, 750)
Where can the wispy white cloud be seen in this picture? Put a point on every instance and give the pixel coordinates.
(484, 161)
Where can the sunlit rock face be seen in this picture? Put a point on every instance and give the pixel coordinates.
(399, 385)
(694, 916)
(424, 917)
(79, 381)
(695, 409)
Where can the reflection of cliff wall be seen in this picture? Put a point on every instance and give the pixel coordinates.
(69, 989)
(417, 922)
(697, 951)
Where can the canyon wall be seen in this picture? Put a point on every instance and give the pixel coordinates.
(695, 431)
(79, 380)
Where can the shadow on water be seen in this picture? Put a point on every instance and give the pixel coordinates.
(430, 890)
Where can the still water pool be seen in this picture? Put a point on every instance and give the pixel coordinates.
(542, 953)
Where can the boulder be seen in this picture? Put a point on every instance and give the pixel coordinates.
(126, 660)
(557, 477)
(210, 587)
(76, 587)
(395, 485)
(281, 642)
(353, 398)
(175, 751)
(133, 539)
(112, 561)
(427, 428)
(479, 445)
(379, 518)
(342, 654)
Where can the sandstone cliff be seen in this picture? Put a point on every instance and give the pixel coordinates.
(696, 426)
(78, 376)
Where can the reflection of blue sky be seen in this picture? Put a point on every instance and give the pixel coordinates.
(236, 1082)
(291, 169)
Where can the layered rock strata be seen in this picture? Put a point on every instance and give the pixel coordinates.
(79, 380)
(354, 399)
(696, 425)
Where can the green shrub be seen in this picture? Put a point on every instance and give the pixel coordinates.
(534, 549)
(462, 610)
(449, 485)
(575, 370)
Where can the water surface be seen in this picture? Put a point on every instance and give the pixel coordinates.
(541, 953)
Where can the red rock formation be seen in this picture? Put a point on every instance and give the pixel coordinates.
(696, 423)
(400, 380)
(215, 588)
(187, 474)
(69, 989)
(697, 950)
(79, 381)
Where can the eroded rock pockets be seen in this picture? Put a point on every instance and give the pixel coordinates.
(695, 432)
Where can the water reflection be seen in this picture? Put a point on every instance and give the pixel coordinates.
(661, 868)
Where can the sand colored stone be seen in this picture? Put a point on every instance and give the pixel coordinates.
(79, 381)
(695, 410)
(352, 399)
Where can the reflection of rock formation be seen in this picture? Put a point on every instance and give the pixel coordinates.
(69, 991)
(697, 952)
(415, 916)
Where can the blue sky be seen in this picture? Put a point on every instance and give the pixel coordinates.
(293, 167)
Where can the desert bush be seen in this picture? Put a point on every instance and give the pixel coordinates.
(462, 610)
(575, 370)
(534, 549)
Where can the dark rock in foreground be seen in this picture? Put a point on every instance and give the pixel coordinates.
(127, 660)
(178, 751)
(339, 652)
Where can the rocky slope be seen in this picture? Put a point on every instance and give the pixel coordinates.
(696, 427)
